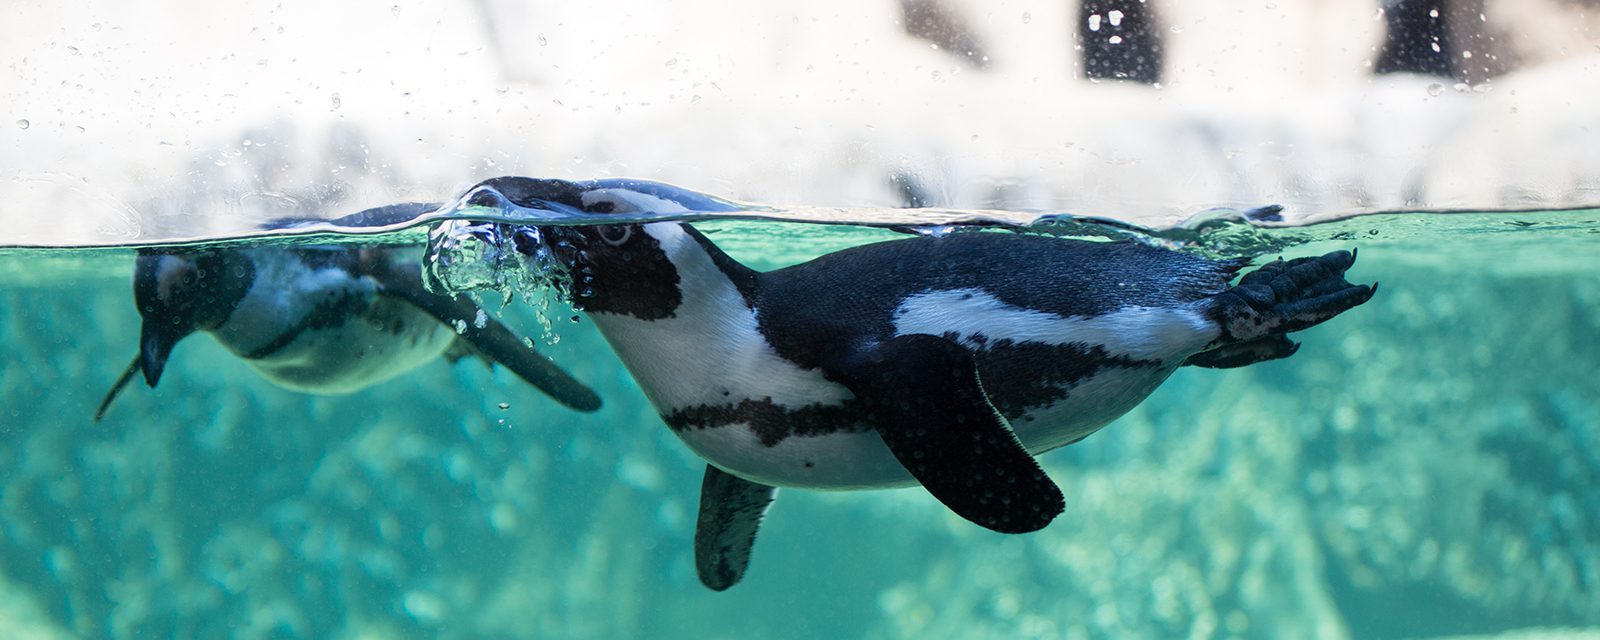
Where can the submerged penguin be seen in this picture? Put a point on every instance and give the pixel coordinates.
(945, 361)
(326, 319)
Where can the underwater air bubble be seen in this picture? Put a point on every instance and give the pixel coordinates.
(465, 256)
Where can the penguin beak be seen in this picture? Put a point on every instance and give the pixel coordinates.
(155, 346)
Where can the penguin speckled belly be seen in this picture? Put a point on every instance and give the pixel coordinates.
(945, 361)
(325, 319)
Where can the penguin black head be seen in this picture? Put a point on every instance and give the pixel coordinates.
(621, 268)
(180, 292)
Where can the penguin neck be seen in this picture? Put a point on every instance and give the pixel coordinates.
(710, 331)
(742, 278)
(708, 283)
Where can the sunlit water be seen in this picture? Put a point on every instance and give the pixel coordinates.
(1426, 465)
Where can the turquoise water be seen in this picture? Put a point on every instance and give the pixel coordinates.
(1426, 465)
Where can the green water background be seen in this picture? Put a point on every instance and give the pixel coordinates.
(1427, 464)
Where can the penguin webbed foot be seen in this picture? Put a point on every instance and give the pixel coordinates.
(1286, 296)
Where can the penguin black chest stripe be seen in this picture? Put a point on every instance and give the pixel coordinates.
(296, 291)
(339, 309)
(770, 422)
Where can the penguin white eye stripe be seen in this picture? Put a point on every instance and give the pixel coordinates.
(1141, 332)
(628, 201)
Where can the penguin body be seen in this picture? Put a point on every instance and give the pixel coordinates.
(943, 361)
(324, 319)
(312, 319)
(753, 394)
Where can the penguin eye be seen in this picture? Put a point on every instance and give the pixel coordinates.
(615, 235)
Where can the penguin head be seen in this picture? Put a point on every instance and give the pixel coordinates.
(622, 268)
(180, 292)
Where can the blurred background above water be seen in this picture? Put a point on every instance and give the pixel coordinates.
(131, 121)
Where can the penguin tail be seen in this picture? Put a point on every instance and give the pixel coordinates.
(1282, 297)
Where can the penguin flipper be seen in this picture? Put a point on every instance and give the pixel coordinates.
(492, 339)
(731, 509)
(928, 405)
(116, 388)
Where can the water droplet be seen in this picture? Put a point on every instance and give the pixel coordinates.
(23, 124)
(334, 102)
(974, 137)
(1027, 17)
(1114, 39)
(504, 405)
(1116, 17)
(395, 10)
(1435, 89)
(543, 41)
(1094, 22)
(672, 62)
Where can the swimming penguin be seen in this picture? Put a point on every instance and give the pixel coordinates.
(946, 361)
(326, 319)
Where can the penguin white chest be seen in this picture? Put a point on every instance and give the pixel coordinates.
(698, 359)
(387, 340)
(319, 330)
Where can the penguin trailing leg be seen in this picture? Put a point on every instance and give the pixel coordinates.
(946, 362)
